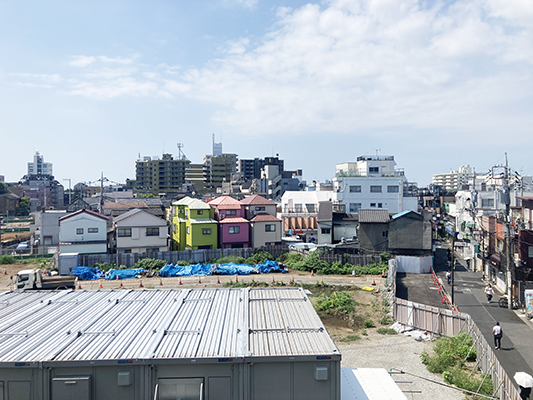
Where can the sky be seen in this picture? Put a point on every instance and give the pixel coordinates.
(93, 85)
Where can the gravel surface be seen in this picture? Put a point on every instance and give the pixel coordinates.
(399, 352)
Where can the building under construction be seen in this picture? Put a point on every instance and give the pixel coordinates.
(165, 344)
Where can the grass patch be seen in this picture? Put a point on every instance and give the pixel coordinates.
(368, 323)
(351, 338)
(386, 331)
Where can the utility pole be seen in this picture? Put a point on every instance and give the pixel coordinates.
(507, 200)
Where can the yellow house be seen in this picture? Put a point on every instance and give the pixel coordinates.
(193, 225)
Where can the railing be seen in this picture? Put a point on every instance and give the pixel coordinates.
(450, 323)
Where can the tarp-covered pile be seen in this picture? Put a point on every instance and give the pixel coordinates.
(170, 270)
(123, 273)
(87, 273)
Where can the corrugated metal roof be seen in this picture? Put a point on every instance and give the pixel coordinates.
(374, 216)
(159, 324)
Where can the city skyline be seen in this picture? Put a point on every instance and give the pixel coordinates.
(92, 86)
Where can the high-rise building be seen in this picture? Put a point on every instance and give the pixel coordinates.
(218, 169)
(160, 175)
(217, 147)
(38, 166)
(251, 168)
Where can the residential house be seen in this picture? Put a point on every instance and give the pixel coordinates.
(410, 234)
(335, 225)
(265, 227)
(373, 232)
(193, 225)
(9, 203)
(83, 231)
(45, 226)
(373, 182)
(138, 231)
(234, 229)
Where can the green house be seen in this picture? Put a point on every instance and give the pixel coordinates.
(193, 225)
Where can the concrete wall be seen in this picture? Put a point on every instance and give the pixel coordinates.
(371, 237)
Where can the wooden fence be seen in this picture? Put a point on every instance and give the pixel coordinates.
(450, 323)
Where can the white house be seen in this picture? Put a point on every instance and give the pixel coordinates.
(83, 231)
(138, 231)
(373, 182)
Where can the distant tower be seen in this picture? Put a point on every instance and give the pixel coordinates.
(217, 147)
(38, 166)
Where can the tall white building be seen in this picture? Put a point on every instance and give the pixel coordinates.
(455, 180)
(38, 166)
(373, 182)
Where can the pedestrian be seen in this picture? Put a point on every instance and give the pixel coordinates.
(524, 392)
(449, 277)
(489, 292)
(497, 332)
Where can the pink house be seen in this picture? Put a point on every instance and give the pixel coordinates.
(234, 230)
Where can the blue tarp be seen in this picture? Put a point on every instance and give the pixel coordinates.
(234, 269)
(112, 274)
(87, 273)
(268, 267)
(196, 270)
(170, 270)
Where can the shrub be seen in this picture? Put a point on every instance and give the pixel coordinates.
(231, 259)
(259, 257)
(337, 302)
(7, 259)
(460, 378)
(102, 266)
(150, 263)
(385, 321)
(368, 323)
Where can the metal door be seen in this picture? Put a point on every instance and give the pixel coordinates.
(71, 388)
(179, 389)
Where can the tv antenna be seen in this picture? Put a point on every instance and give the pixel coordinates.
(181, 154)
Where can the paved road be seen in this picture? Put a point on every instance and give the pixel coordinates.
(516, 353)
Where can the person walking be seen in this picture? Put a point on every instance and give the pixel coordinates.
(497, 332)
(524, 392)
(489, 292)
(449, 277)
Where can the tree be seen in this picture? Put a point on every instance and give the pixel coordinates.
(3, 188)
(24, 206)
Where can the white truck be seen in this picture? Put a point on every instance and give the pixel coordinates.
(33, 279)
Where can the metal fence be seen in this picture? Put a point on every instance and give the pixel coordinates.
(354, 259)
(450, 323)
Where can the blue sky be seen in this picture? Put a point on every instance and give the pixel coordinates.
(437, 84)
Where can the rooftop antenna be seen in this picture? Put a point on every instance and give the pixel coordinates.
(181, 154)
(377, 151)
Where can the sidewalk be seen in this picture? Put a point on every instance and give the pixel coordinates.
(517, 345)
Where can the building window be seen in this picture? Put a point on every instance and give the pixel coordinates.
(298, 208)
(310, 208)
(355, 207)
(124, 232)
(373, 170)
(393, 189)
(270, 228)
(260, 208)
(92, 230)
(200, 212)
(231, 212)
(372, 204)
(234, 229)
(487, 202)
(355, 189)
(125, 251)
(326, 231)
(206, 231)
(79, 231)
(152, 231)
(375, 189)
(187, 213)
(380, 205)
(385, 234)
(180, 210)
(188, 230)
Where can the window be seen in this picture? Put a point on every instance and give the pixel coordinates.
(270, 228)
(310, 208)
(375, 189)
(180, 211)
(385, 234)
(380, 205)
(200, 212)
(393, 189)
(188, 230)
(79, 231)
(186, 213)
(92, 230)
(234, 229)
(298, 208)
(125, 251)
(260, 208)
(487, 202)
(231, 212)
(206, 231)
(373, 170)
(326, 231)
(372, 204)
(355, 207)
(124, 232)
(152, 231)
(355, 189)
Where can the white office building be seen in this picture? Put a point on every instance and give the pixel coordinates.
(373, 182)
(38, 166)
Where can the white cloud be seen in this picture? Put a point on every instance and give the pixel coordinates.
(82, 61)
(247, 4)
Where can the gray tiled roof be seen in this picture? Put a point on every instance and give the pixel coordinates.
(374, 216)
